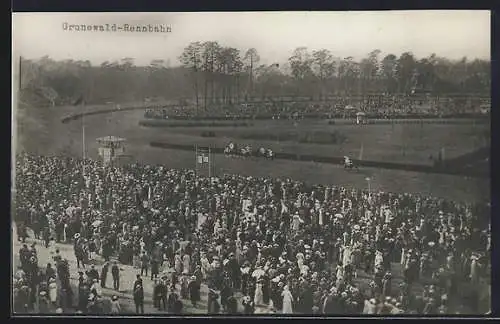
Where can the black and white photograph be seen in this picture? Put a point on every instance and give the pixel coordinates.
(328, 163)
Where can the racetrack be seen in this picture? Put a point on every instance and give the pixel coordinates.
(51, 136)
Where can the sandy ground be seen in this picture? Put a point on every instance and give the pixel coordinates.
(128, 276)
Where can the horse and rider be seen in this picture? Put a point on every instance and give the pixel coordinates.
(349, 164)
(233, 150)
(266, 153)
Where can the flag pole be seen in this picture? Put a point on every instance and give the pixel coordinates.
(195, 163)
(83, 136)
(209, 166)
(20, 72)
(213, 164)
(84, 153)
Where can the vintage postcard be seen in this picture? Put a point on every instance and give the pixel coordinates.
(306, 163)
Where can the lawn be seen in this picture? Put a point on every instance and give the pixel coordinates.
(403, 143)
(45, 134)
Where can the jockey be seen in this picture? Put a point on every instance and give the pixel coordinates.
(348, 162)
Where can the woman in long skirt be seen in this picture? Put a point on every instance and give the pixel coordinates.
(258, 299)
(287, 301)
(53, 291)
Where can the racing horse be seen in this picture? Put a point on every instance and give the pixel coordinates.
(246, 151)
(231, 150)
(348, 164)
(265, 153)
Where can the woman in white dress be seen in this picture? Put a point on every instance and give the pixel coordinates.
(53, 291)
(287, 301)
(300, 259)
(186, 263)
(258, 299)
(205, 265)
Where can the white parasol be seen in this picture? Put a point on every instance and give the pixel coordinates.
(97, 223)
(258, 273)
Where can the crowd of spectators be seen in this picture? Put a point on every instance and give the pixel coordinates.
(376, 106)
(262, 243)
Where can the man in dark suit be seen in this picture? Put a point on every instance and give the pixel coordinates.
(139, 295)
(115, 272)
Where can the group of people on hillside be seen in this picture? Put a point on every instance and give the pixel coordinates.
(263, 244)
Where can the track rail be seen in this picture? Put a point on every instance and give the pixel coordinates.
(340, 161)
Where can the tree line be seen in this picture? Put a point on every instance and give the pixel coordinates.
(211, 72)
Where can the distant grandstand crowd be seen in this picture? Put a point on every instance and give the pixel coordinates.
(379, 106)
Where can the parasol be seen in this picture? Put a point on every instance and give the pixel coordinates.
(258, 273)
(97, 223)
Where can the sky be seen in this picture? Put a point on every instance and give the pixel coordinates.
(452, 34)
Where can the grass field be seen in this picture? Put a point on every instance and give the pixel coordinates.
(396, 143)
(41, 132)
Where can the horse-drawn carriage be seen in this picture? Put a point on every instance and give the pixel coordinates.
(232, 150)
